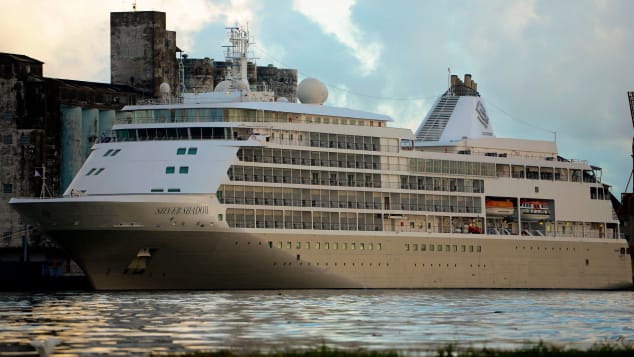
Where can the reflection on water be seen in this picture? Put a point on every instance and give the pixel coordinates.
(142, 322)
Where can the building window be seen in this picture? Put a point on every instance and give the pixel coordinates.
(183, 170)
(219, 217)
(192, 151)
(169, 170)
(7, 188)
(180, 151)
(7, 139)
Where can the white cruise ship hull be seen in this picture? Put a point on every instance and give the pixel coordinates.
(122, 245)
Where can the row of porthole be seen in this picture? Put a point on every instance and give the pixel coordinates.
(455, 265)
(328, 245)
(546, 249)
(439, 248)
(336, 264)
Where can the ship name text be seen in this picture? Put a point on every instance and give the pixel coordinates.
(184, 210)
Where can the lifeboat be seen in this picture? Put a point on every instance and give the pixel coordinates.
(534, 210)
(503, 208)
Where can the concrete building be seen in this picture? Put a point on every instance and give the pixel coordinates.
(283, 81)
(142, 51)
(48, 126)
(202, 75)
(143, 54)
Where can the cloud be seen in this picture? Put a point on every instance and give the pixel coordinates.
(72, 38)
(335, 18)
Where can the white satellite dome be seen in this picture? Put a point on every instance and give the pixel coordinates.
(282, 100)
(164, 88)
(312, 91)
(224, 86)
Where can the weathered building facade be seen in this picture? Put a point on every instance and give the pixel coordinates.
(142, 51)
(48, 126)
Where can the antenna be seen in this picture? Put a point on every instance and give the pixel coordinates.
(134, 5)
(44, 192)
(449, 80)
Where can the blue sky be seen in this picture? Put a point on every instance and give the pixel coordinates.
(542, 67)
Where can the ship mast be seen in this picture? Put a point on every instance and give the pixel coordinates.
(236, 58)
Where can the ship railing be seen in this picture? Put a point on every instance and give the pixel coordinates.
(154, 101)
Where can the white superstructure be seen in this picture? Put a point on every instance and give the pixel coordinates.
(209, 193)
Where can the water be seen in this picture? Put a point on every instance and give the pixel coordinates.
(403, 320)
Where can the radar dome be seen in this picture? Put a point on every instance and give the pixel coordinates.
(224, 86)
(164, 88)
(312, 91)
(282, 100)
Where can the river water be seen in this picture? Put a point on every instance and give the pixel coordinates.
(131, 323)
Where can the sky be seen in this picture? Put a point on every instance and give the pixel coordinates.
(545, 69)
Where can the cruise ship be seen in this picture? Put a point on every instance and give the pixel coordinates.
(237, 189)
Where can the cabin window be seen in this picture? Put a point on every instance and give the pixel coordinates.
(108, 152)
(180, 151)
(91, 171)
(173, 190)
(192, 151)
(169, 170)
(183, 170)
(99, 171)
(156, 190)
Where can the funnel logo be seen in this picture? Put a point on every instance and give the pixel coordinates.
(482, 114)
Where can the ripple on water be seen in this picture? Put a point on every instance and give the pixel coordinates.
(405, 320)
